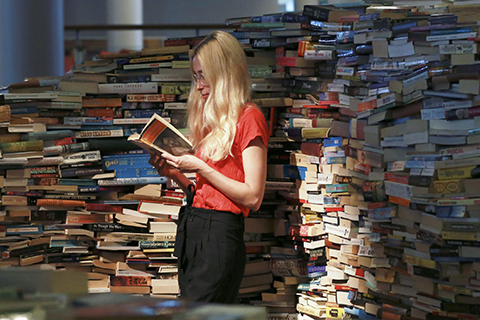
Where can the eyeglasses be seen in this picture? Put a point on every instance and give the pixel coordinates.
(200, 78)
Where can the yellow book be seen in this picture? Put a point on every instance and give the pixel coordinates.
(419, 261)
(314, 133)
(180, 64)
(455, 173)
(460, 235)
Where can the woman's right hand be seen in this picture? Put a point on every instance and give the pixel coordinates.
(161, 165)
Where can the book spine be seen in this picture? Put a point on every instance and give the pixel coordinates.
(136, 173)
(101, 103)
(79, 172)
(131, 281)
(103, 207)
(132, 181)
(452, 36)
(88, 219)
(60, 203)
(156, 244)
(141, 113)
(21, 146)
(88, 156)
(125, 88)
(77, 147)
(48, 135)
(23, 230)
(88, 121)
(316, 12)
(18, 252)
(146, 66)
(125, 163)
(99, 134)
(462, 113)
(114, 227)
(150, 97)
(105, 112)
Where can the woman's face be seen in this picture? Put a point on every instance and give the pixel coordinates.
(201, 84)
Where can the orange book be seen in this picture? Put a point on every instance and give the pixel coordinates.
(396, 178)
(372, 104)
(88, 218)
(400, 201)
(102, 102)
(60, 203)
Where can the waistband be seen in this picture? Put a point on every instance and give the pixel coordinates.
(216, 215)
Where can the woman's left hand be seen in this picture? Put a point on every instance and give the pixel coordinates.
(185, 163)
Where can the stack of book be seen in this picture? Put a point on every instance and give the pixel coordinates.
(77, 194)
(394, 177)
(402, 143)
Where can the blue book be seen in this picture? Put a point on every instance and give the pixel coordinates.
(99, 127)
(141, 113)
(332, 160)
(312, 269)
(23, 110)
(450, 31)
(126, 163)
(267, 18)
(136, 173)
(333, 142)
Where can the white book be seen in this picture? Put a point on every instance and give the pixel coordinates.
(29, 96)
(86, 156)
(452, 36)
(124, 88)
(131, 181)
(172, 75)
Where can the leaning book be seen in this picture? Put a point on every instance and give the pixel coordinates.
(159, 135)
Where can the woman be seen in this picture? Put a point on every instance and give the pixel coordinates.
(230, 137)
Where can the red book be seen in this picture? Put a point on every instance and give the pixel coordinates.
(134, 281)
(173, 194)
(333, 209)
(311, 148)
(396, 178)
(65, 141)
(103, 207)
(344, 288)
(100, 112)
(60, 203)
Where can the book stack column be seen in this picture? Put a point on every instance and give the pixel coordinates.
(280, 205)
(411, 128)
(76, 194)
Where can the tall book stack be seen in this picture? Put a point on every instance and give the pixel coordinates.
(76, 194)
(409, 133)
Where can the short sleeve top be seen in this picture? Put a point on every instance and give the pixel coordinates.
(251, 124)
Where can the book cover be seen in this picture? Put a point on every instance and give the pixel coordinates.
(158, 135)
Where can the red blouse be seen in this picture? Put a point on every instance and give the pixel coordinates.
(251, 124)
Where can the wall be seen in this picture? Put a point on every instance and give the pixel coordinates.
(167, 12)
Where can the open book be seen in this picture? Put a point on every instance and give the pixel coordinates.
(158, 135)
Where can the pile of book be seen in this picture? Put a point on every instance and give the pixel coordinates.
(76, 194)
(387, 191)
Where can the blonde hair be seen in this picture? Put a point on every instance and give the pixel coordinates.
(212, 123)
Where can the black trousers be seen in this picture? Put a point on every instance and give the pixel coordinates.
(211, 254)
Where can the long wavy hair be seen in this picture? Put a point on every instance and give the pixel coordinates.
(212, 123)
